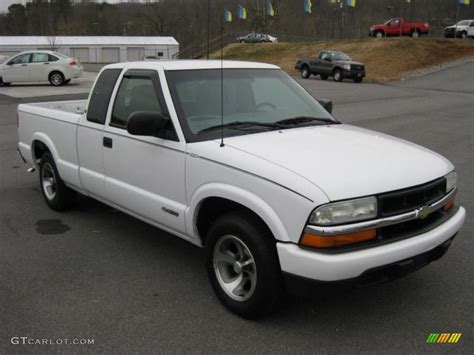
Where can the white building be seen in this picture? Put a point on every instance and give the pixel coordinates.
(95, 49)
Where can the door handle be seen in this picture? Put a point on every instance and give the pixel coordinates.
(45, 63)
(107, 142)
(24, 65)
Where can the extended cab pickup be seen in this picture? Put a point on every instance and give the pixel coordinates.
(280, 192)
(399, 27)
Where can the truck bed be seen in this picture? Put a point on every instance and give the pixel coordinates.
(55, 124)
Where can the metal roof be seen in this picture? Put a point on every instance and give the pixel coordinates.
(13, 41)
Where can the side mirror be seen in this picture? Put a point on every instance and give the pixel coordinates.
(146, 123)
(327, 104)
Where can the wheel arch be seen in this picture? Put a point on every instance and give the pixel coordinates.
(213, 200)
(40, 144)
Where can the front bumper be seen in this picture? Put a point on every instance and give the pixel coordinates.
(354, 74)
(315, 265)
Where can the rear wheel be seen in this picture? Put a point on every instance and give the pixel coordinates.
(242, 41)
(56, 194)
(463, 35)
(56, 78)
(242, 264)
(305, 73)
(324, 76)
(338, 75)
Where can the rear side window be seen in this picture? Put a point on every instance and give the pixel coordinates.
(39, 58)
(100, 98)
(52, 58)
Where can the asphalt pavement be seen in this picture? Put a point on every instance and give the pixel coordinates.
(96, 273)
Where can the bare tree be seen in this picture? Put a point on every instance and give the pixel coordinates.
(53, 43)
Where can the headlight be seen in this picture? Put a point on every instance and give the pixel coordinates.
(345, 212)
(347, 66)
(451, 181)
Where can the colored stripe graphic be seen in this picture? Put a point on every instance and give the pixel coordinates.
(443, 338)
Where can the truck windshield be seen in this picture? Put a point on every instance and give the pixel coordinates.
(256, 99)
(340, 56)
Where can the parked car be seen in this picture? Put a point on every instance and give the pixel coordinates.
(331, 63)
(150, 58)
(463, 29)
(40, 66)
(399, 27)
(280, 193)
(257, 38)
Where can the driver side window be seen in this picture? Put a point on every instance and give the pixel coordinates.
(21, 59)
(135, 94)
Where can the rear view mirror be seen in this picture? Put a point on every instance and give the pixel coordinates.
(146, 123)
(327, 104)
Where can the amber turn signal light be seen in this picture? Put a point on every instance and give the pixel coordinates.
(449, 204)
(331, 241)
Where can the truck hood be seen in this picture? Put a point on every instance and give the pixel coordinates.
(348, 62)
(343, 161)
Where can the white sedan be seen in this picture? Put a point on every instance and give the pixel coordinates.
(40, 66)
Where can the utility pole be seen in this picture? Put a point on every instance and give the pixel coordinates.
(401, 16)
(208, 26)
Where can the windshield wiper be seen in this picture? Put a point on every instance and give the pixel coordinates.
(241, 125)
(303, 119)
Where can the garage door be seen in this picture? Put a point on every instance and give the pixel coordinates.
(110, 55)
(80, 53)
(135, 53)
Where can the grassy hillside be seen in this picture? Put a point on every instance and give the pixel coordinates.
(385, 59)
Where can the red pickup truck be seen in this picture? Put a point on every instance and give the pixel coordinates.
(399, 27)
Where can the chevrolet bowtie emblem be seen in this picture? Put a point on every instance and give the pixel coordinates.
(424, 212)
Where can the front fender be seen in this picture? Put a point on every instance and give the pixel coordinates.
(238, 195)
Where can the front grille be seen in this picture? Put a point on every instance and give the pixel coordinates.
(401, 201)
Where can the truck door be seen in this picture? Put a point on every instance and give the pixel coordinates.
(393, 27)
(324, 64)
(90, 135)
(17, 69)
(144, 175)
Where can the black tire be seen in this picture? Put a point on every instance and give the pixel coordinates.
(415, 34)
(242, 41)
(379, 34)
(58, 196)
(305, 73)
(264, 294)
(67, 81)
(56, 78)
(338, 75)
(357, 79)
(463, 35)
(324, 76)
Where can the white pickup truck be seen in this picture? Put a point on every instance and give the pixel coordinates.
(278, 192)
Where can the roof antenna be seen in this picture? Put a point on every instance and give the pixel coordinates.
(222, 79)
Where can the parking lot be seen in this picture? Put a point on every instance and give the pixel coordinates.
(96, 273)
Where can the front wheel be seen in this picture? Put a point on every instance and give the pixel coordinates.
(242, 265)
(415, 34)
(463, 35)
(357, 79)
(56, 194)
(338, 75)
(305, 73)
